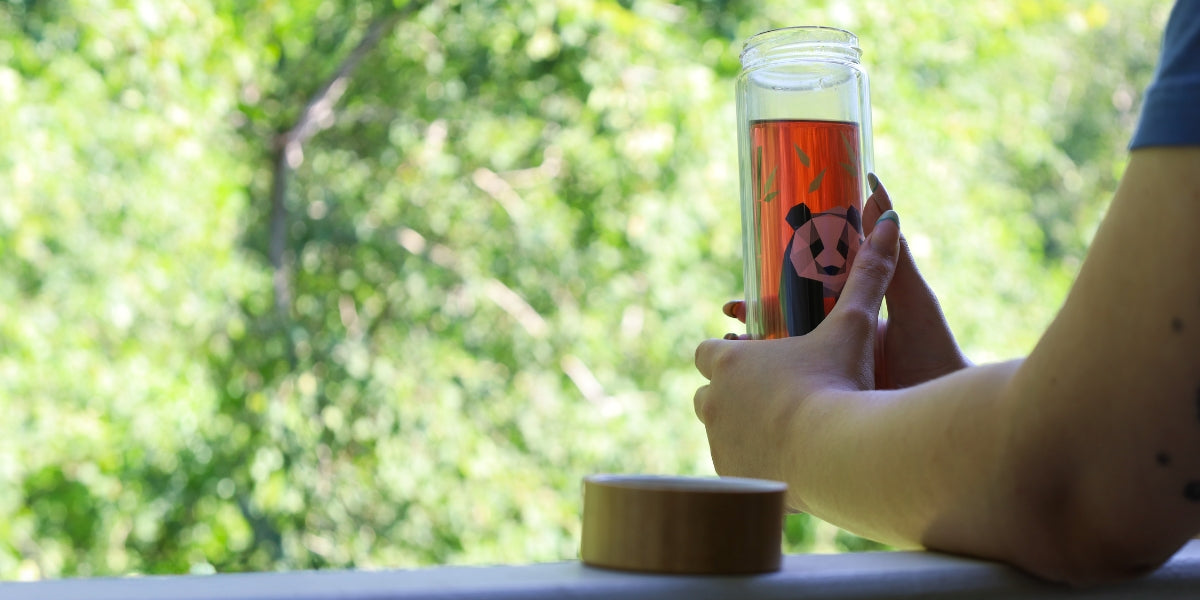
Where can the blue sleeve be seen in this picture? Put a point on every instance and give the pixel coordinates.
(1171, 110)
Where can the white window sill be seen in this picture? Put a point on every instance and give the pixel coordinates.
(842, 576)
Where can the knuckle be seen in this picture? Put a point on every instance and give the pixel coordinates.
(855, 319)
(707, 352)
(724, 361)
(874, 267)
(699, 404)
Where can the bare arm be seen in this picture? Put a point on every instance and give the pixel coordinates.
(1080, 463)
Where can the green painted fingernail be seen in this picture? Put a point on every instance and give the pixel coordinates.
(872, 181)
(889, 216)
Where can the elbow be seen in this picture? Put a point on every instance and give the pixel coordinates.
(1058, 549)
(1081, 562)
(1074, 526)
(1062, 552)
(1084, 542)
(1082, 499)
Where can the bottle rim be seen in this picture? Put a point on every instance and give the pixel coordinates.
(807, 41)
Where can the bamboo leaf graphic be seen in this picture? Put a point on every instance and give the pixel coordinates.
(758, 167)
(771, 196)
(770, 180)
(849, 168)
(846, 143)
(816, 183)
(801, 155)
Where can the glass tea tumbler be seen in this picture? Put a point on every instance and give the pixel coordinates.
(804, 149)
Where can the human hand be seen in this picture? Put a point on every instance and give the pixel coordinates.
(758, 389)
(914, 344)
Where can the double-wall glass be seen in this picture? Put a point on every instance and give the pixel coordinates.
(804, 136)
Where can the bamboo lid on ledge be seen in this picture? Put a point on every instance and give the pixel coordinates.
(663, 524)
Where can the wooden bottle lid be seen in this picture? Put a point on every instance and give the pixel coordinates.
(664, 524)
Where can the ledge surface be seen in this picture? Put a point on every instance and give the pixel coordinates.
(840, 576)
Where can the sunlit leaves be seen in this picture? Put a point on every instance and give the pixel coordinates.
(521, 220)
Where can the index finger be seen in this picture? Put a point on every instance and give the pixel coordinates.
(876, 204)
(707, 354)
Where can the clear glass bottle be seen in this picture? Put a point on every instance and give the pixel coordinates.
(804, 148)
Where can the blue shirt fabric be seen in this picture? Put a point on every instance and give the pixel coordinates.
(1171, 110)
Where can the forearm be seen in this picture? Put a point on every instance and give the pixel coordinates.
(893, 465)
(991, 461)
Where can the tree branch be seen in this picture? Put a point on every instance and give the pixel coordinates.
(318, 113)
(316, 116)
(279, 178)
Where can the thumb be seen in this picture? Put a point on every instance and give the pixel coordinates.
(873, 267)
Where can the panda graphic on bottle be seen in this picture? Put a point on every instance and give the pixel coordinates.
(810, 215)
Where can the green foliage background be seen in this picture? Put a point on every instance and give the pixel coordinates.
(501, 248)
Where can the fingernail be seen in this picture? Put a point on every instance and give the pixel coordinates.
(731, 336)
(891, 240)
(872, 181)
(889, 215)
(728, 308)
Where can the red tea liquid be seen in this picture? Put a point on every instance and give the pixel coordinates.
(808, 218)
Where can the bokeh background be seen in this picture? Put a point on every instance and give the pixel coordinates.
(324, 283)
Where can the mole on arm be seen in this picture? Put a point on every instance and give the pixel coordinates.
(1191, 491)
